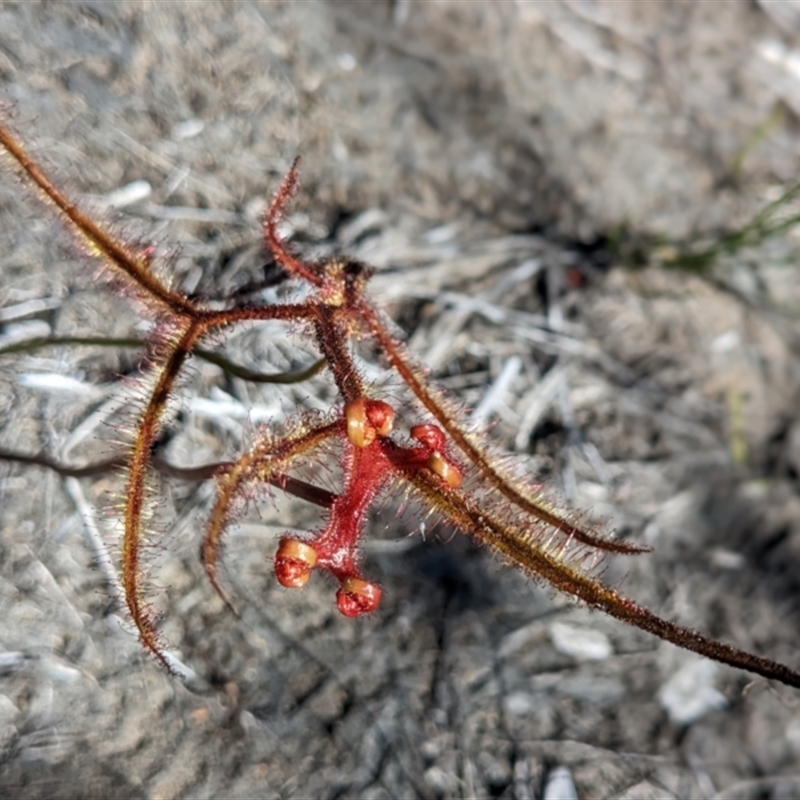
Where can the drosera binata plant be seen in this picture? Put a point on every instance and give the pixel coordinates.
(441, 462)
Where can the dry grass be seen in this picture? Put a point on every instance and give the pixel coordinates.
(472, 153)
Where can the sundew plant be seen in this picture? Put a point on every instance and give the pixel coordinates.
(430, 453)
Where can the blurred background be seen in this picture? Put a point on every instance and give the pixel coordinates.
(582, 217)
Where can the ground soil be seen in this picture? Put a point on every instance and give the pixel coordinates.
(500, 164)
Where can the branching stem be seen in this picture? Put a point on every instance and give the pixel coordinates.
(476, 496)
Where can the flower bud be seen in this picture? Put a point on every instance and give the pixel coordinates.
(356, 597)
(446, 470)
(294, 562)
(359, 430)
(432, 436)
(380, 416)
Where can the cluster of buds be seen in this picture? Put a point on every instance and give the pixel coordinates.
(372, 459)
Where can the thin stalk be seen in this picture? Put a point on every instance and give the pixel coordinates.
(225, 364)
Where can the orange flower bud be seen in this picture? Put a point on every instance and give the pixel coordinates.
(446, 470)
(294, 562)
(356, 597)
(359, 430)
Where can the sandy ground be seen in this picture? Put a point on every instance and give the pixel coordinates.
(485, 157)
